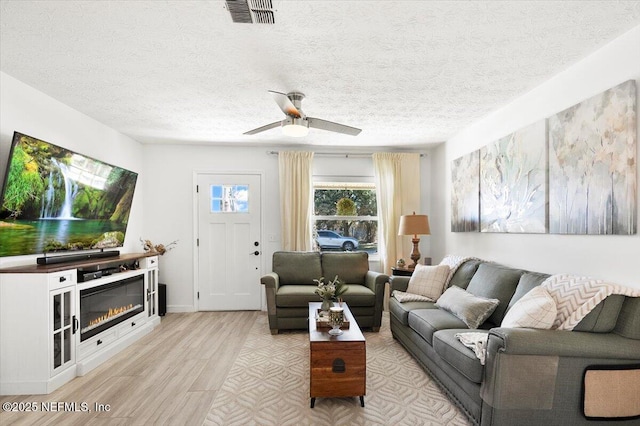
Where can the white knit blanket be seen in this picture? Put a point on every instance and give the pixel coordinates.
(576, 296)
(454, 261)
(476, 341)
(402, 297)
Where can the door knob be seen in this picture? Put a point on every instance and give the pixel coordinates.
(256, 253)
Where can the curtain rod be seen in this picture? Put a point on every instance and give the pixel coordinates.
(342, 154)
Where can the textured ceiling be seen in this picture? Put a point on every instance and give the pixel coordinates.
(406, 72)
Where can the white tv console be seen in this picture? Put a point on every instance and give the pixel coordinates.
(40, 344)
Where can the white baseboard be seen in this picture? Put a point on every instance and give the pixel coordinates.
(174, 309)
(38, 387)
(180, 308)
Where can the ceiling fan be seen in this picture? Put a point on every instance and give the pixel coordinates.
(297, 123)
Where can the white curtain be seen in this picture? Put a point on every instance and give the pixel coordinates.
(296, 199)
(398, 188)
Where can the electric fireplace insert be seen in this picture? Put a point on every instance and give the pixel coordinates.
(104, 306)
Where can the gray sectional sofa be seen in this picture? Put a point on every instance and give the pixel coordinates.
(290, 287)
(531, 376)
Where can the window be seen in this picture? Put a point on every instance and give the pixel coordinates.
(229, 198)
(346, 216)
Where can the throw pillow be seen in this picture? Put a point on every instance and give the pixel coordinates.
(536, 309)
(428, 281)
(473, 310)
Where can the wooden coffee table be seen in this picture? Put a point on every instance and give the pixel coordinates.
(338, 364)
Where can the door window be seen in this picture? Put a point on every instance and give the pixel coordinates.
(230, 198)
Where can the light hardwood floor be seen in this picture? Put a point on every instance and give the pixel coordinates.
(169, 377)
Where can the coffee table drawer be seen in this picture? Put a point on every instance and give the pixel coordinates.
(338, 369)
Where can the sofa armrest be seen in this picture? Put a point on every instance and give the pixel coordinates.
(399, 283)
(575, 344)
(539, 373)
(270, 280)
(376, 281)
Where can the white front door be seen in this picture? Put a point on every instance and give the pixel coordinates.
(229, 245)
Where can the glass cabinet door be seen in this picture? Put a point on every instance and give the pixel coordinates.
(63, 329)
(152, 291)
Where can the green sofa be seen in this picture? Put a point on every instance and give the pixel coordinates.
(531, 376)
(290, 287)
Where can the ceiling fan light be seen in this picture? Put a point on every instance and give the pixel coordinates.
(295, 130)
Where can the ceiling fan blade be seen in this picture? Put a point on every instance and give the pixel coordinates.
(263, 128)
(332, 127)
(285, 104)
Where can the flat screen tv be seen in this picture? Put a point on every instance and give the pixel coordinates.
(56, 200)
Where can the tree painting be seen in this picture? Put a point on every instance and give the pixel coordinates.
(592, 165)
(465, 189)
(513, 196)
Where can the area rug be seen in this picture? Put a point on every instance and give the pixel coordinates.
(269, 385)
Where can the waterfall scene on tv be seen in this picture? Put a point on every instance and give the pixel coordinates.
(57, 200)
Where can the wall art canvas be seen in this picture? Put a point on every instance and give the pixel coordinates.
(592, 165)
(465, 197)
(513, 172)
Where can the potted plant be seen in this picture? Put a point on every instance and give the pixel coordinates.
(333, 290)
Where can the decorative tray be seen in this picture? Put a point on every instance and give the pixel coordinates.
(323, 321)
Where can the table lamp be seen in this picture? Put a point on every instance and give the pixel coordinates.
(414, 224)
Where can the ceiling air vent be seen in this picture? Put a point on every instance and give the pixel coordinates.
(251, 11)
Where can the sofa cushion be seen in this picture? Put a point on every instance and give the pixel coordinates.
(296, 296)
(458, 355)
(351, 268)
(494, 281)
(297, 267)
(464, 273)
(359, 295)
(603, 318)
(628, 324)
(471, 309)
(425, 322)
(527, 282)
(537, 309)
(401, 310)
(428, 281)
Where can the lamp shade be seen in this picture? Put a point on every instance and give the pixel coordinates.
(414, 224)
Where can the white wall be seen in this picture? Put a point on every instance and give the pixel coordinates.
(169, 201)
(613, 257)
(26, 110)
(169, 195)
